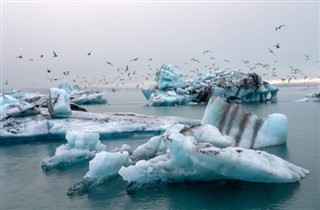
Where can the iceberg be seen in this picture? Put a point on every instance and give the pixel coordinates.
(43, 127)
(59, 103)
(14, 108)
(221, 147)
(103, 167)
(247, 130)
(232, 86)
(310, 97)
(190, 160)
(80, 97)
(81, 146)
(36, 99)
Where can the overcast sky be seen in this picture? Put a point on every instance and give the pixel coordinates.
(170, 33)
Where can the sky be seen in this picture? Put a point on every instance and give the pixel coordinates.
(155, 33)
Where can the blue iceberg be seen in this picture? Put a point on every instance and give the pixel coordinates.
(232, 86)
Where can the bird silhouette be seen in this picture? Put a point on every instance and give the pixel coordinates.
(206, 51)
(49, 70)
(89, 53)
(279, 27)
(41, 56)
(195, 60)
(271, 51)
(307, 57)
(20, 56)
(6, 82)
(277, 45)
(108, 62)
(54, 54)
(134, 59)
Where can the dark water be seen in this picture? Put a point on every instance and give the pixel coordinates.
(25, 186)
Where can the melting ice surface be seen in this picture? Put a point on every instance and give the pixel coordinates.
(232, 86)
(202, 153)
(81, 97)
(81, 146)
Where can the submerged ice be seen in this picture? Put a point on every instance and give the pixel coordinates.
(81, 146)
(232, 86)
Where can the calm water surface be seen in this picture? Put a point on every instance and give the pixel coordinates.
(24, 185)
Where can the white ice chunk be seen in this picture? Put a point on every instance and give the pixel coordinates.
(81, 146)
(246, 129)
(191, 160)
(59, 103)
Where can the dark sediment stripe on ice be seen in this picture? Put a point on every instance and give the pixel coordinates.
(225, 110)
(242, 127)
(232, 117)
(256, 128)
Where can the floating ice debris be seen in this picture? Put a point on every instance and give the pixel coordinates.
(80, 97)
(59, 103)
(232, 86)
(108, 125)
(81, 146)
(247, 130)
(17, 109)
(310, 97)
(104, 166)
(190, 160)
(37, 99)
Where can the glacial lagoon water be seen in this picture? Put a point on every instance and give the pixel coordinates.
(24, 185)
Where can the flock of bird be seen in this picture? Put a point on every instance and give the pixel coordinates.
(121, 75)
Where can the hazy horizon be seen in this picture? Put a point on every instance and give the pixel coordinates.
(170, 33)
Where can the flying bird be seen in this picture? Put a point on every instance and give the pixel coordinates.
(55, 79)
(195, 60)
(49, 70)
(271, 51)
(41, 56)
(54, 54)
(89, 53)
(6, 82)
(207, 51)
(134, 59)
(20, 56)
(108, 62)
(277, 45)
(307, 57)
(279, 27)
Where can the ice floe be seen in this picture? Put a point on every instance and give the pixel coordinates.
(232, 86)
(81, 146)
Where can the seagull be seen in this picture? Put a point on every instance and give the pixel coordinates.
(134, 59)
(6, 82)
(41, 56)
(150, 59)
(307, 57)
(207, 51)
(31, 59)
(277, 45)
(279, 27)
(271, 51)
(245, 61)
(226, 60)
(49, 70)
(89, 53)
(55, 79)
(195, 60)
(20, 56)
(109, 63)
(54, 54)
